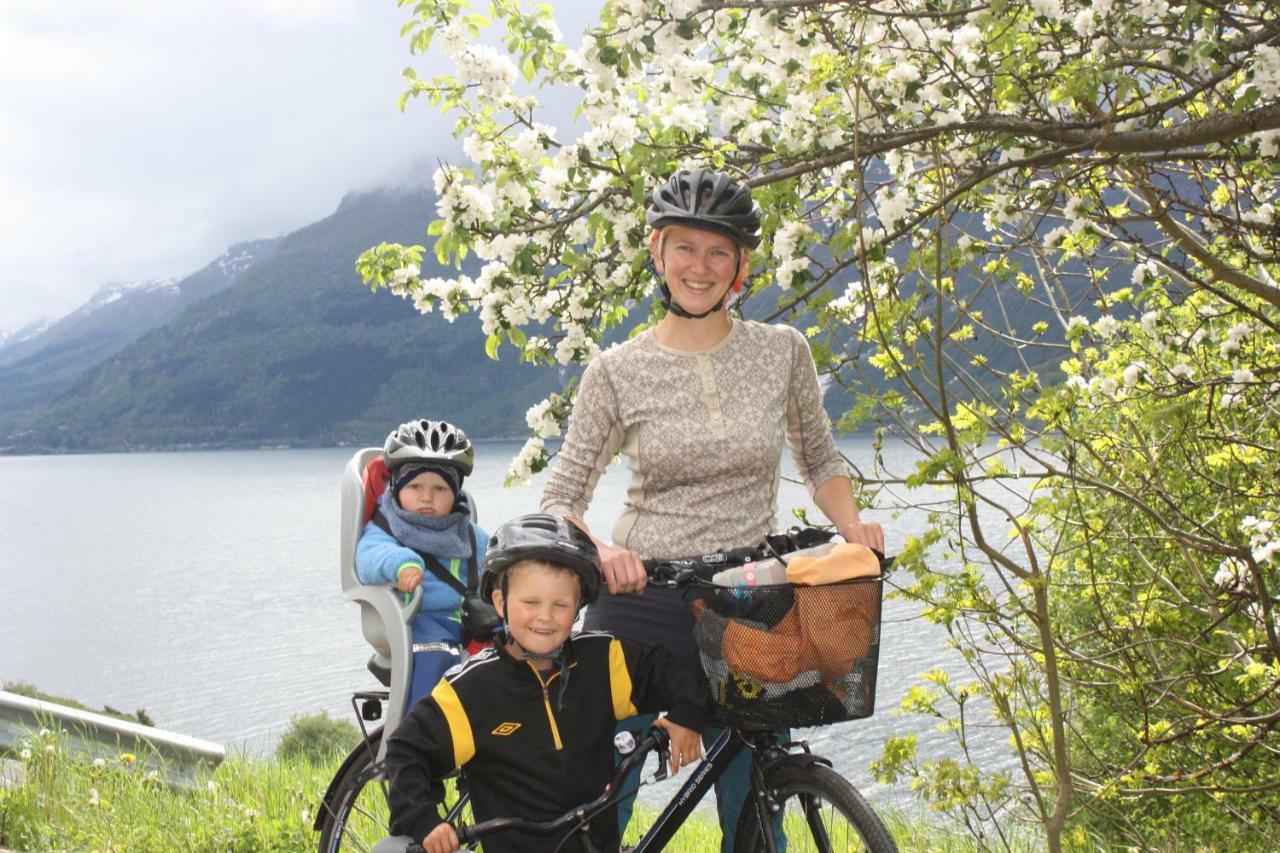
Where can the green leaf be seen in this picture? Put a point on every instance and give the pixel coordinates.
(491, 345)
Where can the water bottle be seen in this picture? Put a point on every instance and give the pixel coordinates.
(761, 573)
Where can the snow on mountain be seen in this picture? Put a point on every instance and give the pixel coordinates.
(11, 337)
(232, 265)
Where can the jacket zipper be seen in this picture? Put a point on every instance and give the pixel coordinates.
(546, 701)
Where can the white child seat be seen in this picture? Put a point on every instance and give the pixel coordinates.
(384, 617)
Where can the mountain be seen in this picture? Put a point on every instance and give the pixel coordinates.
(295, 352)
(40, 363)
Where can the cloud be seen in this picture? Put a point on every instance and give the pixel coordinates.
(139, 139)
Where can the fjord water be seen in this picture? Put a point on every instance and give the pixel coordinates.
(203, 587)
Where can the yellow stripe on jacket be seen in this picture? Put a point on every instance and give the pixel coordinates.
(620, 682)
(464, 744)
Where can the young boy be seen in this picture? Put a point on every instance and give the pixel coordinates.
(532, 719)
(422, 535)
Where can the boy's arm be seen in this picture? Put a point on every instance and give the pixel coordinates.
(660, 681)
(379, 557)
(419, 754)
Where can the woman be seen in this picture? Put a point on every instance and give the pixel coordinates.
(700, 405)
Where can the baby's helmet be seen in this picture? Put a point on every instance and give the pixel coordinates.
(539, 536)
(709, 200)
(434, 442)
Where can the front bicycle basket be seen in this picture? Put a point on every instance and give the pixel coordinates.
(787, 655)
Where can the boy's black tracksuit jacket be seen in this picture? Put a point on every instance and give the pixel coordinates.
(534, 745)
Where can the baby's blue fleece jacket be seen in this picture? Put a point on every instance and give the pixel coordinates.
(378, 558)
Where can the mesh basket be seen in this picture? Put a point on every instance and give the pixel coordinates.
(790, 655)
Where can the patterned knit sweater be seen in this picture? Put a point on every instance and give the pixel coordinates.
(703, 434)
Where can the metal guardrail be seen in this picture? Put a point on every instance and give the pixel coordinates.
(176, 757)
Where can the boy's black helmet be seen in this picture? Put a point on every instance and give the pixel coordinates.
(539, 536)
(709, 200)
(431, 442)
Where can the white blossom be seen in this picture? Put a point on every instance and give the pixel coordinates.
(477, 150)
(542, 420)
(1084, 22)
(1266, 70)
(1234, 337)
(893, 208)
(494, 71)
(1262, 544)
(1268, 143)
(1133, 373)
(1106, 326)
(1051, 9)
(521, 470)
(1231, 575)
(1053, 239)
(1142, 271)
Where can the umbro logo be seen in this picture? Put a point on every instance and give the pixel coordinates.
(505, 729)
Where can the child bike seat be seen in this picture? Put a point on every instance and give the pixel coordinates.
(384, 615)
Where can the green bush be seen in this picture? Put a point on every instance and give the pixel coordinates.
(317, 738)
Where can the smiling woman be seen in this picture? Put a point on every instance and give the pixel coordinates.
(701, 404)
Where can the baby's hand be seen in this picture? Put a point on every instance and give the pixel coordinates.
(409, 579)
(686, 744)
(442, 839)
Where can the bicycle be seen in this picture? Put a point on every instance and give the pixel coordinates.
(829, 813)
(797, 801)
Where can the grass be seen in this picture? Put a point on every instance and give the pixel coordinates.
(61, 801)
(51, 799)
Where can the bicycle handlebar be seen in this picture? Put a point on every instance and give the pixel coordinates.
(684, 571)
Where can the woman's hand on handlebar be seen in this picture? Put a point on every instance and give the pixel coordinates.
(860, 533)
(622, 570)
(442, 839)
(686, 744)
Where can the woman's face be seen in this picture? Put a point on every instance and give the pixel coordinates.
(699, 266)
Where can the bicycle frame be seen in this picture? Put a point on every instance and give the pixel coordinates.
(718, 756)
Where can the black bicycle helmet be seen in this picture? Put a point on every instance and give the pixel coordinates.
(539, 536)
(434, 442)
(709, 200)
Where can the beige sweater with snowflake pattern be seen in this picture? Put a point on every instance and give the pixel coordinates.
(702, 433)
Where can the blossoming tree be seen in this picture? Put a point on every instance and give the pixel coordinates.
(1038, 242)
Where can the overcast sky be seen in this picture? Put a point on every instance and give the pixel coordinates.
(139, 138)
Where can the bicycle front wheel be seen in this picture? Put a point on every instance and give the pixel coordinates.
(820, 811)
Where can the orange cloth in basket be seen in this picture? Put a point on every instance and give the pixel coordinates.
(827, 629)
(843, 562)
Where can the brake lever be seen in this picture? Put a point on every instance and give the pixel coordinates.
(664, 761)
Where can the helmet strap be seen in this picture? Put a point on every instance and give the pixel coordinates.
(675, 307)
